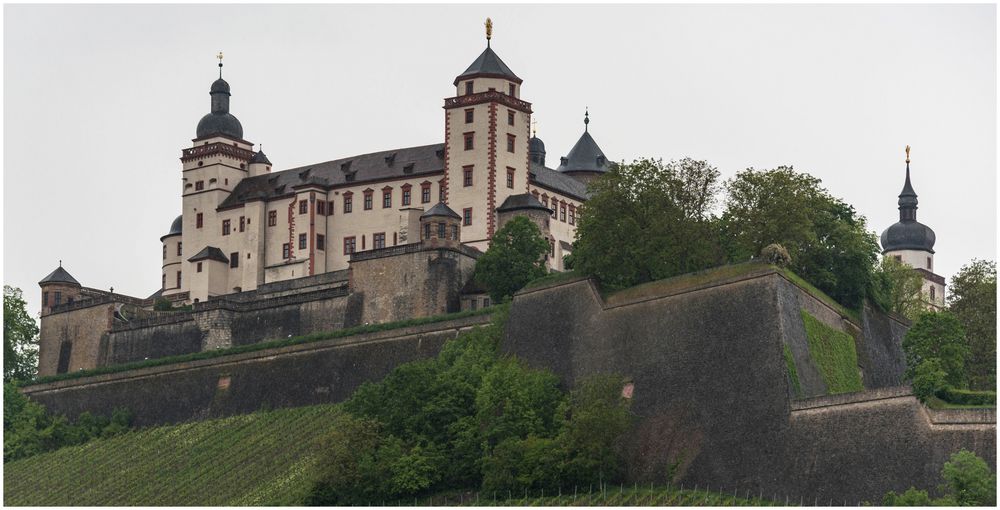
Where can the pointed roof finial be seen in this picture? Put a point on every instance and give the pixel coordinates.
(907, 154)
(586, 119)
(219, 56)
(60, 262)
(534, 128)
(489, 31)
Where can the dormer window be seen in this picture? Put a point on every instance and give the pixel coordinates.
(389, 160)
(349, 178)
(468, 88)
(600, 160)
(408, 169)
(564, 160)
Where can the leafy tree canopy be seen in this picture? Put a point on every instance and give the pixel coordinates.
(897, 288)
(973, 300)
(827, 240)
(648, 220)
(937, 336)
(514, 258)
(20, 338)
(968, 481)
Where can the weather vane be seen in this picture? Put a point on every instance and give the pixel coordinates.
(534, 128)
(586, 118)
(907, 154)
(489, 31)
(219, 56)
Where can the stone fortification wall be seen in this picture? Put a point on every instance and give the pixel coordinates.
(712, 393)
(298, 375)
(76, 333)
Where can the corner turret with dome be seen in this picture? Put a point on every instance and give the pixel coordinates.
(585, 161)
(912, 242)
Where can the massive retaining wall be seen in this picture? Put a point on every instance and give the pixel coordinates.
(713, 395)
(298, 375)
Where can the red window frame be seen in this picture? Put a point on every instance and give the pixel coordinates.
(510, 177)
(467, 175)
(467, 216)
(272, 218)
(425, 193)
(386, 198)
(470, 143)
(510, 117)
(407, 196)
(510, 142)
(303, 207)
(321, 208)
(378, 240)
(469, 115)
(369, 199)
(348, 202)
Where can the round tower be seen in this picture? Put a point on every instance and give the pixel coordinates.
(172, 256)
(912, 243)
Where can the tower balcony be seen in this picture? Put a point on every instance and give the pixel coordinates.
(487, 97)
(217, 148)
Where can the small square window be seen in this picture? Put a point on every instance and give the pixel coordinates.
(469, 115)
(199, 185)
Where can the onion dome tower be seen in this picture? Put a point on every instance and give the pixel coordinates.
(912, 242)
(536, 148)
(585, 161)
(219, 121)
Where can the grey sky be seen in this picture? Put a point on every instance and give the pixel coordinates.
(100, 100)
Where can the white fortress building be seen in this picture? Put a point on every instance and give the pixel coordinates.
(244, 224)
(912, 243)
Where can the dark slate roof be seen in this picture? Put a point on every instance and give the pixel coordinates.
(536, 145)
(219, 124)
(585, 156)
(260, 157)
(488, 64)
(907, 197)
(566, 246)
(209, 253)
(557, 181)
(440, 210)
(521, 202)
(177, 226)
(390, 164)
(60, 275)
(908, 235)
(220, 85)
(156, 294)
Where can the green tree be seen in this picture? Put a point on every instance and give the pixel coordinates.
(827, 240)
(973, 300)
(928, 378)
(897, 288)
(515, 401)
(20, 338)
(937, 336)
(515, 257)
(592, 437)
(969, 481)
(647, 221)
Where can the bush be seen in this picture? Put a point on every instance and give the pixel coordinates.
(776, 254)
(515, 257)
(937, 336)
(162, 305)
(928, 378)
(966, 397)
(969, 481)
(912, 497)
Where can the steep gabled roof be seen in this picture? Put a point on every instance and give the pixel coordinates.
(585, 156)
(488, 64)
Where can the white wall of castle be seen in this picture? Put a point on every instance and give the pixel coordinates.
(932, 292)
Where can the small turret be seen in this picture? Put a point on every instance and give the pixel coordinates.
(58, 288)
(585, 161)
(441, 226)
(259, 164)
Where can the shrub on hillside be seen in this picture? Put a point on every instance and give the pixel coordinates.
(968, 481)
(776, 254)
(928, 379)
(937, 336)
(515, 257)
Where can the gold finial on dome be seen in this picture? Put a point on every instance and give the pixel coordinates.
(907, 154)
(534, 128)
(489, 31)
(219, 56)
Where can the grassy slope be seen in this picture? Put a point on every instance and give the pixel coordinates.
(834, 354)
(256, 459)
(614, 496)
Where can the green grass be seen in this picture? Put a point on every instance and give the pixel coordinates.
(682, 282)
(834, 354)
(935, 402)
(552, 278)
(262, 458)
(854, 315)
(270, 344)
(792, 372)
(616, 495)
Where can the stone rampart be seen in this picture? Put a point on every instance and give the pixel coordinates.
(713, 395)
(296, 375)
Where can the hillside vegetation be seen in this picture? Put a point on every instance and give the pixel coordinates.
(264, 458)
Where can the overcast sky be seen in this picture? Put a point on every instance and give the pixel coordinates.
(99, 101)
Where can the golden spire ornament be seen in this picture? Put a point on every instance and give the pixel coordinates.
(534, 128)
(219, 56)
(489, 31)
(907, 154)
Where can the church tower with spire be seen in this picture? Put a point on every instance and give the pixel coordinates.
(487, 132)
(912, 243)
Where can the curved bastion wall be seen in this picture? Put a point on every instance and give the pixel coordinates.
(714, 399)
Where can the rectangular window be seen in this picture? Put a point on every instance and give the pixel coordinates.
(486, 302)
(362, 241)
(303, 207)
(303, 241)
(58, 297)
(510, 117)
(555, 209)
(467, 216)
(225, 227)
(243, 223)
(348, 203)
(510, 88)
(454, 232)
(467, 175)
(572, 216)
(468, 141)
(197, 220)
(472, 304)
(179, 248)
(441, 190)
(562, 212)
(425, 193)
(552, 247)
(164, 252)
(286, 251)
(510, 143)
(441, 230)
(406, 196)
(368, 200)
(163, 282)
(929, 268)
(199, 185)
(320, 242)
(321, 208)
(329, 208)
(386, 199)
(178, 279)
(234, 259)
(197, 267)
(427, 230)
(349, 245)
(468, 116)
(378, 240)
(468, 87)
(510, 177)
(272, 218)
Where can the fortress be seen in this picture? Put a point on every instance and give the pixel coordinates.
(726, 387)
